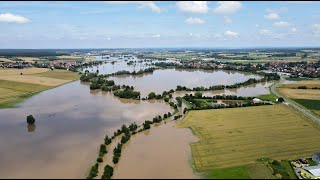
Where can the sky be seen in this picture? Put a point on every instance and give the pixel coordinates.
(153, 24)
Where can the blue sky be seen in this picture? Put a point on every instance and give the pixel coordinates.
(137, 24)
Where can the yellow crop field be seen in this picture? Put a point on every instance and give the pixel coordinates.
(301, 93)
(15, 87)
(240, 136)
(307, 83)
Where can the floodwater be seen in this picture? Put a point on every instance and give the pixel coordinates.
(245, 91)
(166, 79)
(71, 122)
(159, 153)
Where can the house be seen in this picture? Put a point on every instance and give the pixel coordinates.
(310, 172)
(220, 103)
(316, 158)
(256, 100)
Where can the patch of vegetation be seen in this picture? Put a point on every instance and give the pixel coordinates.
(268, 97)
(240, 172)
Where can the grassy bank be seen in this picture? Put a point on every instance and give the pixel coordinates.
(231, 138)
(14, 87)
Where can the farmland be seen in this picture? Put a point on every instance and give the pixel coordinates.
(15, 87)
(308, 98)
(237, 137)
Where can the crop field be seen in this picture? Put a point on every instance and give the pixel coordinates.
(301, 93)
(313, 105)
(239, 136)
(307, 83)
(15, 87)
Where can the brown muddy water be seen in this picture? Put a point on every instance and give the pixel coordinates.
(71, 122)
(166, 79)
(159, 153)
(245, 91)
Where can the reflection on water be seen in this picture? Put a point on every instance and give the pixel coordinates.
(71, 124)
(161, 152)
(164, 80)
(31, 128)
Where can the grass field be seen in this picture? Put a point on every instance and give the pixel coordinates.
(252, 171)
(15, 87)
(313, 105)
(239, 136)
(268, 97)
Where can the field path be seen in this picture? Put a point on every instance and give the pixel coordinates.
(273, 90)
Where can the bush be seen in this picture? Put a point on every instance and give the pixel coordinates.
(99, 159)
(107, 140)
(30, 120)
(108, 172)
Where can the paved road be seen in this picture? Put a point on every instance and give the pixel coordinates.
(273, 90)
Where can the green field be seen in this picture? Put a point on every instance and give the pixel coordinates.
(252, 171)
(239, 136)
(313, 105)
(268, 97)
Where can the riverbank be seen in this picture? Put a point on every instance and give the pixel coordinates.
(17, 85)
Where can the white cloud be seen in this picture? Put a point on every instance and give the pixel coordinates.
(193, 6)
(231, 34)
(281, 24)
(156, 35)
(143, 4)
(108, 38)
(194, 21)
(227, 19)
(293, 29)
(257, 25)
(227, 7)
(316, 28)
(11, 18)
(272, 16)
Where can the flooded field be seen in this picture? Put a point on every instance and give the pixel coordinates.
(161, 152)
(164, 80)
(71, 122)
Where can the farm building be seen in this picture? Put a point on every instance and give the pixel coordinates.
(316, 158)
(256, 100)
(311, 172)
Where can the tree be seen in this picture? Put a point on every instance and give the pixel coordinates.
(280, 99)
(179, 100)
(152, 95)
(107, 140)
(185, 110)
(198, 95)
(30, 120)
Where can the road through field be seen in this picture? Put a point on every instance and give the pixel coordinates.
(273, 90)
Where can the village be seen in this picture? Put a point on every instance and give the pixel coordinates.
(307, 168)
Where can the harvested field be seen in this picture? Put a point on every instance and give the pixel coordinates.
(10, 72)
(29, 59)
(307, 83)
(240, 136)
(15, 87)
(301, 93)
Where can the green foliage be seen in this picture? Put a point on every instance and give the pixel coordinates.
(103, 149)
(30, 120)
(179, 100)
(152, 95)
(93, 171)
(107, 140)
(198, 95)
(108, 172)
(127, 93)
(99, 159)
